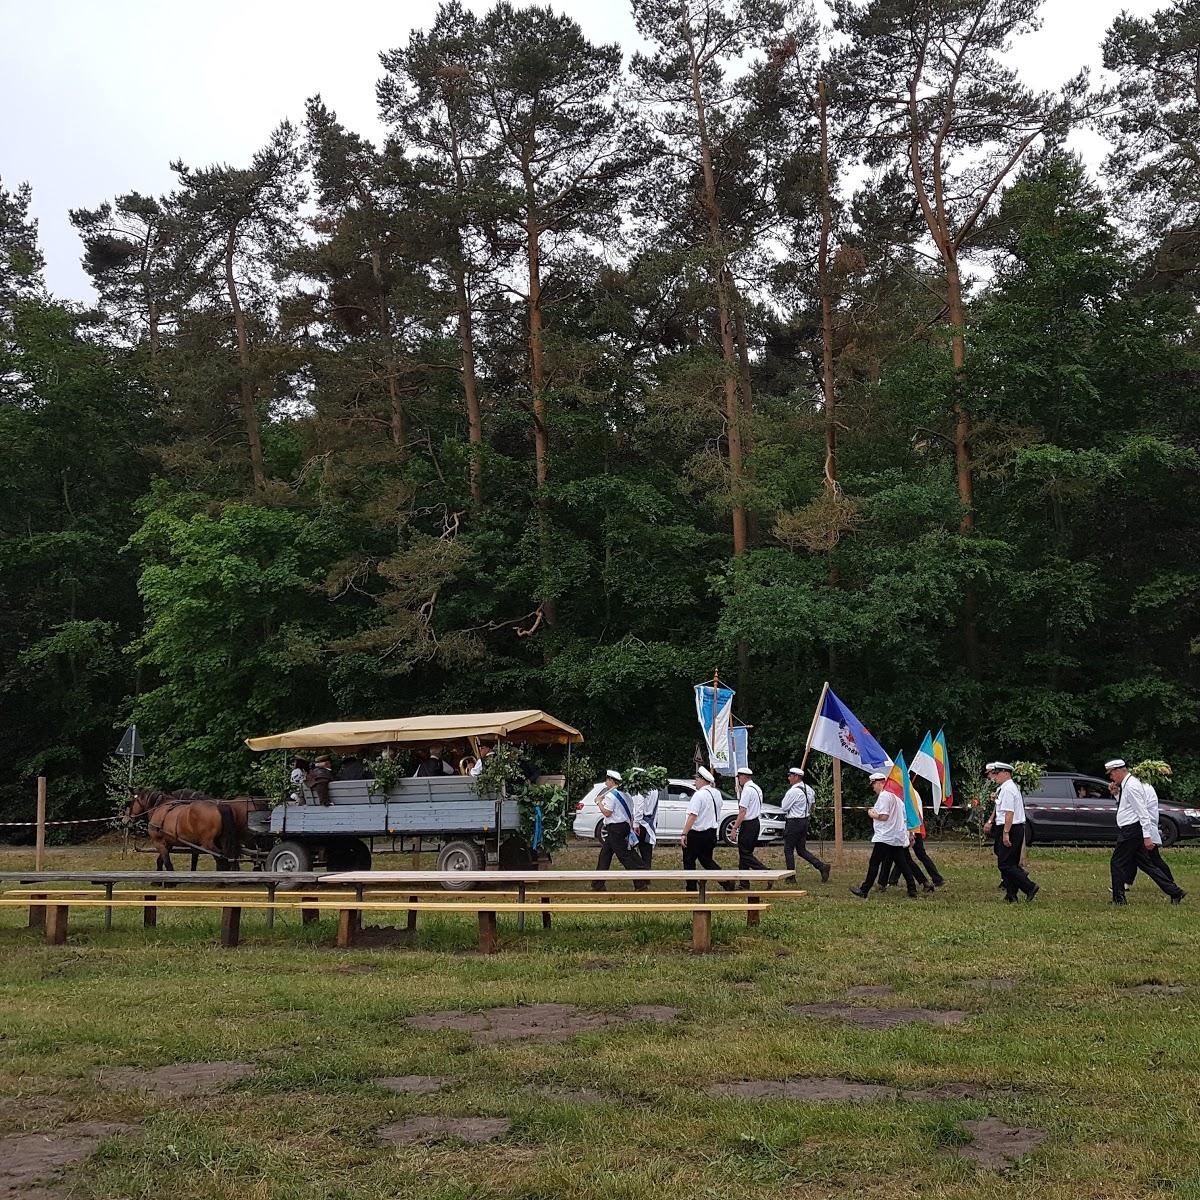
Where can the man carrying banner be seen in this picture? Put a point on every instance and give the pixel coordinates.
(890, 837)
(749, 822)
(1008, 820)
(797, 808)
(618, 839)
(700, 829)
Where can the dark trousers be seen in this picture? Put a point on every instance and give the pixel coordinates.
(698, 851)
(918, 849)
(1129, 856)
(747, 840)
(645, 849)
(882, 857)
(616, 843)
(795, 837)
(1008, 860)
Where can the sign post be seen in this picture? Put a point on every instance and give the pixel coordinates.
(131, 748)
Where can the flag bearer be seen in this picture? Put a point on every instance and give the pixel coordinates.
(1136, 830)
(797, 808)
(617, 811)
(748, 823)
(700, 828)
(1008, 822)
(890, 838)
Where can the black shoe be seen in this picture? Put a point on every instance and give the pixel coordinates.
(1122, 900)
(937, 883)
(882, 887)
(859, 892)
(912, 893)
(790, 877)
(824, 874)
(928, 887)
(1178, 899)
(1037, 887)
(1010, 899)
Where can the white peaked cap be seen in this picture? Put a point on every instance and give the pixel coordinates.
(795, 771)
(1114, 764)
(991, 766)
(1000, 766)
(705, 773)
(744, 771)
(613, 775)
(877, 775)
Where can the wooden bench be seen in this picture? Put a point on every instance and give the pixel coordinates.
(57, 909)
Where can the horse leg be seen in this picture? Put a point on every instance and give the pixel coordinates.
(195, 860)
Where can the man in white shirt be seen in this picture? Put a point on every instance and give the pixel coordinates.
(1155, 832)
(645, 815)
(700, 828)
(797, 808)
(617, 810)
(1136, 830)
(1008, 821)
(890, 840)
(748, 824)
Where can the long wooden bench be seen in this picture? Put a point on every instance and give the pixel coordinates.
(57, 909)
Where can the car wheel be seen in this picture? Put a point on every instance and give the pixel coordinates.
(290, 858)
(460, 856)
(1169, 831)
(726, 827)
(350, 854)
(598, 832)
(1029, 832)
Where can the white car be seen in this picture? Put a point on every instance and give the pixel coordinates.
(672, 812)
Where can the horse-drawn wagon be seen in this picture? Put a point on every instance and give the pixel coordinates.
(469, 827)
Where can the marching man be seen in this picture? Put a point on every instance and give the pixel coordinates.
(1008, 821)
(1136, 832)
(749, 822)
(619, 839)
(646, 812)
(700, 829)
(890, 841)
(797, 808)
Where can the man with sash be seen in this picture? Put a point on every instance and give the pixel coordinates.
(619, 839)
(646, 825)
(700, 829)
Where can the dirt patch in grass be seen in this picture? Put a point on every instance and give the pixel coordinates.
(838, 1088)
(412, 1085)
(31, 1161)
(1167, 989)
(994, 1144)
(879, 1018)
(996, 984)
(551, 1022)
(559, 1095)
(436, 1129)
(177, 1079)
(598, 964)
(869, 991)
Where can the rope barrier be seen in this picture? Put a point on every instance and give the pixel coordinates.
(83, 821)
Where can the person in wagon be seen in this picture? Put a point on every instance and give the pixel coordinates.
(318, 779)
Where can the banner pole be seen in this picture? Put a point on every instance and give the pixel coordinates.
(39, 849)
(837, 812)
(813, 727)
(712, 741)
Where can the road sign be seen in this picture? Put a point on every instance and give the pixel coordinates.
(131, 744)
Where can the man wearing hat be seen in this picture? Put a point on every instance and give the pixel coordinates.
(1135, 836)
(1008, 822)
(318, 779)
(617, 810)
(700, 828)
(748, 824)
(889, 843)
(797, 808)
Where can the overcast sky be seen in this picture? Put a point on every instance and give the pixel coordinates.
(99, 96)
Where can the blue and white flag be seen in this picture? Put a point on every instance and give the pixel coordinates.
(739, 745)
(840, 734)
(714, 707)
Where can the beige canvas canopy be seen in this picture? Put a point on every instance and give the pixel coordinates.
(524, 725)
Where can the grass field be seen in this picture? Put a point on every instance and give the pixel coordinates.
(1110, 1074)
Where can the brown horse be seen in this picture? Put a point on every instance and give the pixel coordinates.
(192, 822)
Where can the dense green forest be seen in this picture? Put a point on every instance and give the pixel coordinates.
(810, 352)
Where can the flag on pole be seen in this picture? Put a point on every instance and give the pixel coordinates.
(899, 783)
(739, 747)
(925, 765)
(714, 707)
(840, 734)
(942, 758)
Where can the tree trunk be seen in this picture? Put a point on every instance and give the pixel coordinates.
(466, 335)
(724, 307)
(962, 419)
(823, 281)
(249, 409)
(390, 365)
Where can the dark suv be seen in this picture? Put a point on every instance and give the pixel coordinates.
(1068, 807)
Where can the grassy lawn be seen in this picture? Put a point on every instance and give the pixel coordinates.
(1111, 1075)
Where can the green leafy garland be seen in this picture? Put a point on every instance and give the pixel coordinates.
(641, 781)
(502, 774)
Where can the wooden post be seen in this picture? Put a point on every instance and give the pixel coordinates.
(752, 914)
(702, 930)
(837, 811)
(56, 924)
(39, 852)
(149, 912)
(356, 918)
(489, 943)
(411, 923)
(521, 900)
(231, 925)
(346, 923)
(546, 916)
(309, 916)
(37, 912)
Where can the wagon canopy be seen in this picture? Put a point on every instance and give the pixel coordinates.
(524, 725)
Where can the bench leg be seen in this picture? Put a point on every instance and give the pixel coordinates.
(310, 916)
(346, 927)
(752, 914)
(150, 914)
(411, 923)
(546, 914)
(521, 914)
(37, 912)
(108, 893)
(270, 911)
(56, 924)
(231, 926)
(702, 930)
(489, 943)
